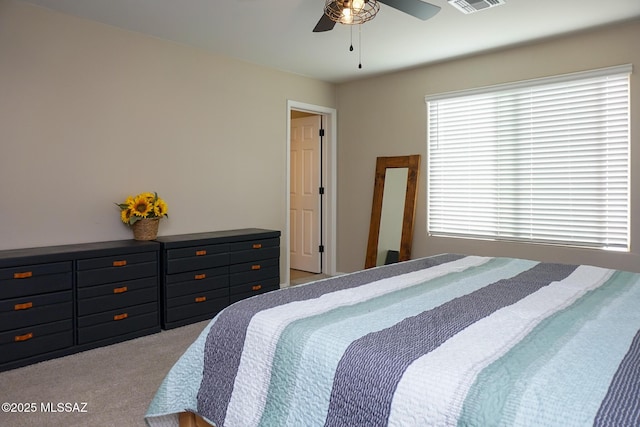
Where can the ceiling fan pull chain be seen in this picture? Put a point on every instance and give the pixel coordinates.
(351, 38)
(359, 46)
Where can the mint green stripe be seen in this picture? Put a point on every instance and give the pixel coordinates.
(309, 349)
(565, 364)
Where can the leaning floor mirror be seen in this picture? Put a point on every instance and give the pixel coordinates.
(393, 210)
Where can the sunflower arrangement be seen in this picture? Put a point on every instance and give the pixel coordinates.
(144, 205)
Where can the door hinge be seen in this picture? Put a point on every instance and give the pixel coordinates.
(321, 132)
(321, 190)
(321, 248)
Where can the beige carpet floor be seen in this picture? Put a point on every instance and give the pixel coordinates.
(113, 384)
(298, 277)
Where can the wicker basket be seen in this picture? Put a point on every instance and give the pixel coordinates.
(146, 229)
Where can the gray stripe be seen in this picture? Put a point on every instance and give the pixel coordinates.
(225, 341)
(372, 366)
(621, 405)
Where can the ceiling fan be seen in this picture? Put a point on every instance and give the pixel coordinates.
(417, 8)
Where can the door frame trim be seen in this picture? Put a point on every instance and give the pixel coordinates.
(329, 174)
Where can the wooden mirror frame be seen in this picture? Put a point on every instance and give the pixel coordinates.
(411, 162)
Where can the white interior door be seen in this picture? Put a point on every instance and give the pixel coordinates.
(305, 194)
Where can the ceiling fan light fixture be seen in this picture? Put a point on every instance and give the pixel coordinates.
(351, 12)
(358, 5)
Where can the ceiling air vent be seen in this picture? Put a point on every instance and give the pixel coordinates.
(470, 6)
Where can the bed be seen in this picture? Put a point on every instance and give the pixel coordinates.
(438, 341)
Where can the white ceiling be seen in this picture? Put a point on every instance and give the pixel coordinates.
(278, 33)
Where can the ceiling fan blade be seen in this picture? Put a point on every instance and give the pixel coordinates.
(416, 8)
(324, 24)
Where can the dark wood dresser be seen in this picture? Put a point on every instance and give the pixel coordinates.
(205, 272)
(59, 300)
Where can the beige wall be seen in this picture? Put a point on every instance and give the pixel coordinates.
(386, 116)
(90, 114)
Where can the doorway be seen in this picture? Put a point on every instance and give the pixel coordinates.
(320, 188)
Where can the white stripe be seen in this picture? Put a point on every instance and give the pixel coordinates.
(264, 330)
(433, 388)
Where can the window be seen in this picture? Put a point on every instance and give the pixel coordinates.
(544, 161)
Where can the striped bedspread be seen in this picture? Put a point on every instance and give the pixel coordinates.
(440, 341)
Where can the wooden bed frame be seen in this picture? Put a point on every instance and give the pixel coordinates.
(189, 419)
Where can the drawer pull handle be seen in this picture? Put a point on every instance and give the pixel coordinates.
(120, 263)
(201, 299)
(23, 337)
(120, 290)
(24, 306)
(201, 253)
(255, 267)
(256, 287)
(257, 245)
(22, 275)
(120, 316)
(199, 276)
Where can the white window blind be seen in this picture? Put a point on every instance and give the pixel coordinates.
(543, 161)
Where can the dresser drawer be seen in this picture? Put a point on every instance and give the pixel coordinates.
(115, 323)
(197, 251)
(247, 290)
(123, 272)
(113, 316)
(117, 288)
(119, 301)
(36, 309)
(254, 255)
(180, 265)
(198, 298)
(254, 266)
(254, 271)
(196, 286)
(35, 279)
(256, 287)
(252, 250)
(210, 307)
(27, 342)
(122, 260)
(197, 275)
(254, 244)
